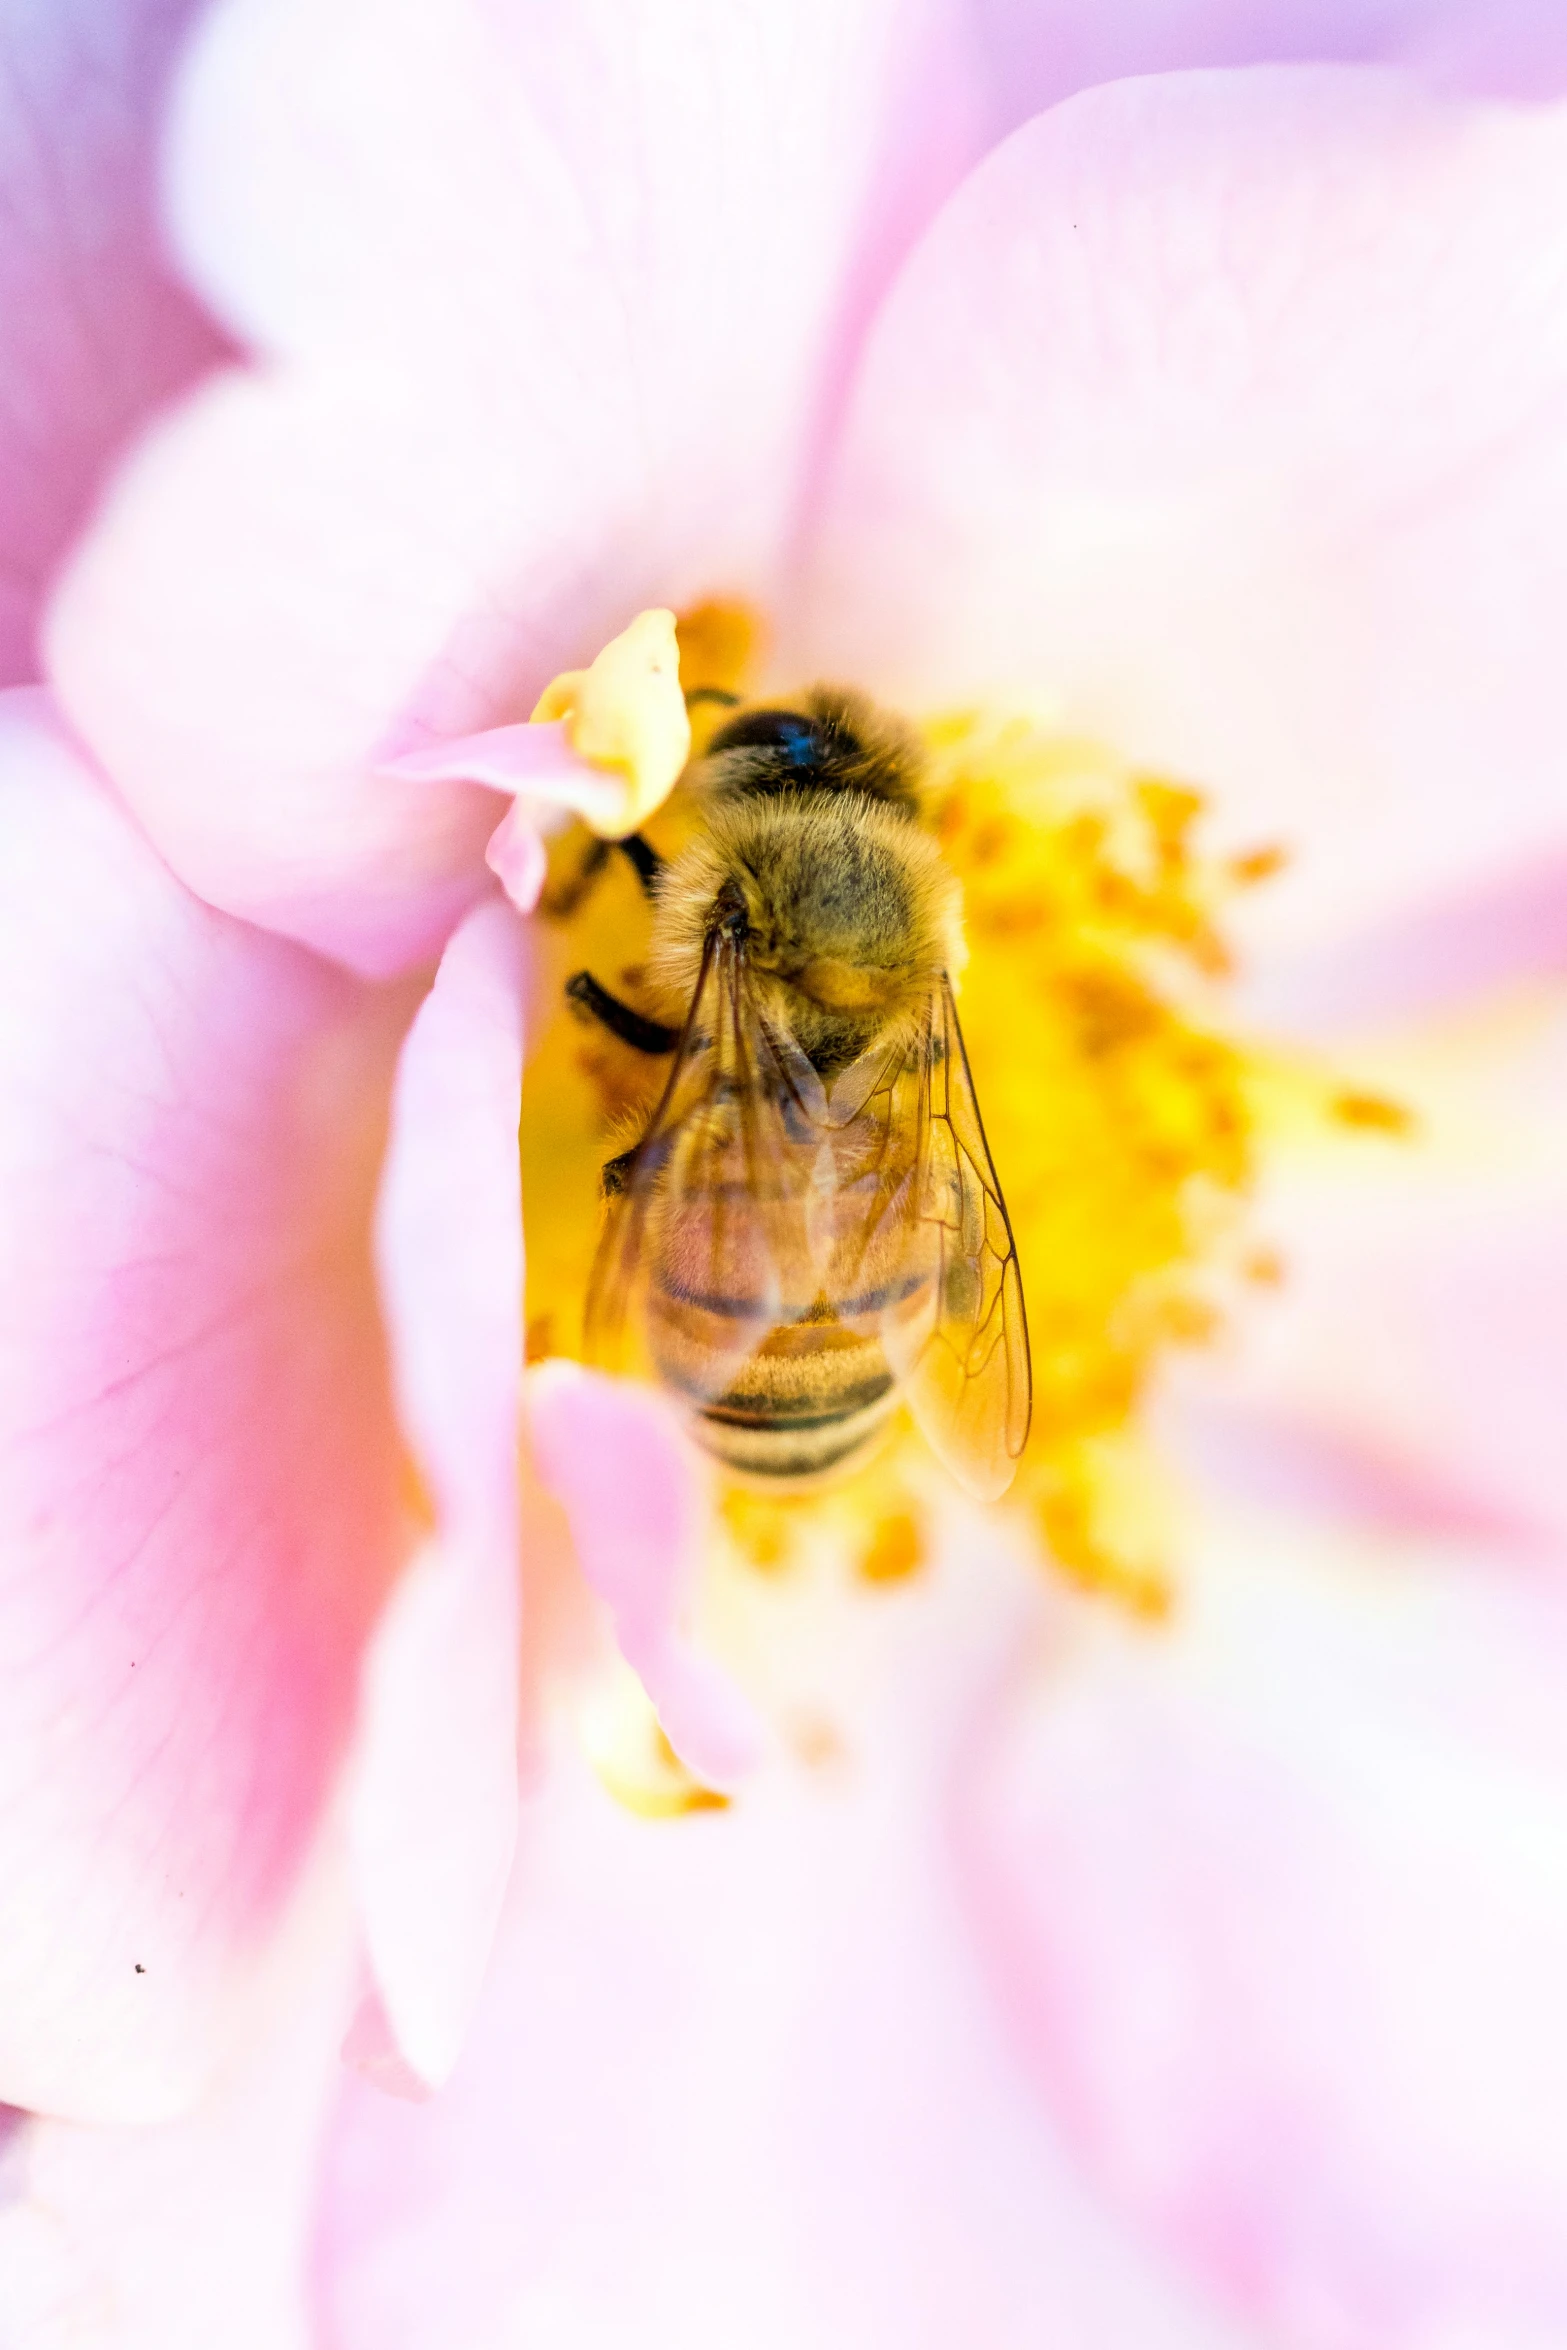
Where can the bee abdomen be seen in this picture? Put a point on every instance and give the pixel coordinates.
(783, 1442)
(808, 1399)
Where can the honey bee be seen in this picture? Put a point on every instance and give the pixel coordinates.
(809, 1227)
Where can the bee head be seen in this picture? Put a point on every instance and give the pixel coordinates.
(831, 741)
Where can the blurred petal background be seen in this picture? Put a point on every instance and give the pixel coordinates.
(1196, 373)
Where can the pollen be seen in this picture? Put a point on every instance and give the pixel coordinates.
(895, 1549)
(1372, 1112)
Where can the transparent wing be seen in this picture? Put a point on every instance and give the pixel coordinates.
(957, 1335)
(705, 1247)
(762, 1214)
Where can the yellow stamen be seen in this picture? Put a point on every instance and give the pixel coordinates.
(626, 713)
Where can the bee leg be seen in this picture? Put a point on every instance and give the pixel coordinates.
(584, 993)
(645, 861)
(563, 897)
(713, 693)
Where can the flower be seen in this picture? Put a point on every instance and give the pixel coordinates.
(548, 320)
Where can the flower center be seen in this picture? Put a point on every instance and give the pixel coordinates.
(1119, 1116)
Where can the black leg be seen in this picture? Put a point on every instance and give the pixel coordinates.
(565, 896)
(712, 693)
(645, 862)
(644, 1036)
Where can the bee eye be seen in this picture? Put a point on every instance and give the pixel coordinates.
(803, 744)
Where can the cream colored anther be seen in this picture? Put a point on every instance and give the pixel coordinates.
(626, 713)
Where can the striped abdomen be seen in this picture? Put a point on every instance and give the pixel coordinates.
(767, 1302)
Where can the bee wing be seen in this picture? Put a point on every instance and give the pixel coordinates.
(958, 1338)
(703, 1240)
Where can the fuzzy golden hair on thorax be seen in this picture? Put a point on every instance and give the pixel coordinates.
(851, 913)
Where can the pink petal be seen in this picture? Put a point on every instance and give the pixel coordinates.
(516, 856)
(198, 1462)
(733, 2079)
(1278, 1903)
(195, 2232)
(547, 342)
(1225, 410)
(1411, 1363)
(1512, 49)
(533, 758)
(1468, 943)
(370, 2046)
(509, 758)
(1040, 55)
(435, 1798)
(613, 1457)
(97, 332)
(267, 805)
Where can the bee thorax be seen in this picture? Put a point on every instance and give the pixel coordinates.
(849, 914)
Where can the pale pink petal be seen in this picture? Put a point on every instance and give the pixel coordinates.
(613, 1456)
(516, 856)
(1411, 1363)
(532, 759)
(97, 331)
(734, 2080)
(268, 804)
(549, 338)
(1503, 48)
(1277, 1901)
(197, 2232)
(435, 1794)
(1042, 53)
(1459, 947)
(198, 1471)
(1225, 413)
(371, 2047)
(434, 1798)
(509, 758)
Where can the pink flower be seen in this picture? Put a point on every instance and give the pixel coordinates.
(1080, 1985)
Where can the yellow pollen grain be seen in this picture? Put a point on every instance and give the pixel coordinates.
(1372, 1112)
(895, 1549)
(626, 713)
(1259, 864)
(1263, 1267)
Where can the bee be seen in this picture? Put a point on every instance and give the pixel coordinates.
(808, 1228)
